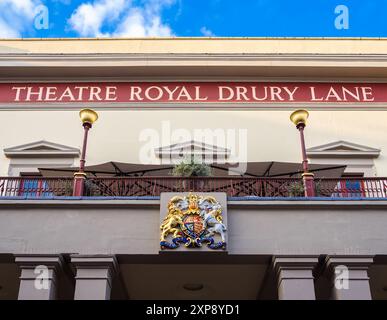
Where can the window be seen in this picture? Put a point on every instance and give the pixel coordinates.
(358, 159)
(24, 163)
(28, 158)
(33, 185)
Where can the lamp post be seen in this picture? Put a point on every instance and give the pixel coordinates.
(299, 118)
(88, 117)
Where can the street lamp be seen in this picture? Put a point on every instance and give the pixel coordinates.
(88, 117)
(299, 118)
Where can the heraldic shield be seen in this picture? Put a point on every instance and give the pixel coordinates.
(193, 220)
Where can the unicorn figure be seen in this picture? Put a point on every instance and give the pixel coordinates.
(211, 212)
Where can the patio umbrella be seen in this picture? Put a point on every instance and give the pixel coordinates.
(249, 169)
(224, 183)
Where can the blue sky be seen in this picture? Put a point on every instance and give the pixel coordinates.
(144, 18)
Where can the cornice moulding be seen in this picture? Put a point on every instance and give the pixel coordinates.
(40, 149)
(192, 56)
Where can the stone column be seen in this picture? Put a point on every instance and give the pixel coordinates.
(39, 273)
(349, 276)
(94, 275)
(295, 279)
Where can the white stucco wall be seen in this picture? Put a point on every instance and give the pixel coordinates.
(132, 227)
(270, 134)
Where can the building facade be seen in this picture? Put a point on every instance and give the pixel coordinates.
(227, 101)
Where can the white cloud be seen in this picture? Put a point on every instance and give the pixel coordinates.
(88, 18)
(206, 32)
(121, 17)
(6, 31)
(17, 16)
(136, 24)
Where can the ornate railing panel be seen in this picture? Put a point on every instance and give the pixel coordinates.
(153, 186)
(35, 187)
(41, 187)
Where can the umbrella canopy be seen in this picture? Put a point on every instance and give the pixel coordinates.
(249, 169)
(279, 169)
(112, 169)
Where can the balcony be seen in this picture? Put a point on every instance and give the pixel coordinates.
(152, 186)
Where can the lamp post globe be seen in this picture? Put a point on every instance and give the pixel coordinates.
(299, 117)
(88, 116)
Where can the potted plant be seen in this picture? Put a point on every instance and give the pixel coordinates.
(192, 168)
(296, 189)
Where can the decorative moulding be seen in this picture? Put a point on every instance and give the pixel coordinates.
(42, 149)
(342, 149)
(195, 148)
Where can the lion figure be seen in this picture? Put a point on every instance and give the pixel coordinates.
(173, 220)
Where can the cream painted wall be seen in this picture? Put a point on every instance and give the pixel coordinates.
(197, 45)
(271, 136)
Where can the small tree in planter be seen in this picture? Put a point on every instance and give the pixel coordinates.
(297, 189)
(192, 168)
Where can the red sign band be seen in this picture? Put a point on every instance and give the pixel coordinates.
(193, 92)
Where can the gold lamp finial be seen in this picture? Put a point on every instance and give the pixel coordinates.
(88, 116)
(299, 117)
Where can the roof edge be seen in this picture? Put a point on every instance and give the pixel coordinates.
(194, 38)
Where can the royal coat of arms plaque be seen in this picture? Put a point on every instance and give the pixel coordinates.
(193, 221)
